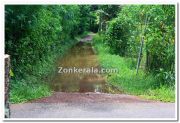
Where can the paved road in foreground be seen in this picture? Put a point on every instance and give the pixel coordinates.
(92, 105)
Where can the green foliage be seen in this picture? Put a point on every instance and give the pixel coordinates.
(39, 31)
(163, 93)
(110, 11)
(98, 43)
(21, 91)
(34, 37)
(32, 86)
(166, 77)
(84, 17)
(87, 19)
(153, 22)
(117, 36)
(160, 35)
(126, 80)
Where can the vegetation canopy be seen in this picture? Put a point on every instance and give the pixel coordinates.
(137, 39)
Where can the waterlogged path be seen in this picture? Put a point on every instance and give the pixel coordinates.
(87, 95)
(78, 71)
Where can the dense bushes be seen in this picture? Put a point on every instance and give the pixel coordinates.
(152, 24)
(117, 37)
(145, 85)
(34, 37)
(34, 32)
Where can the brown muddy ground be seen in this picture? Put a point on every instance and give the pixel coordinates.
(81, 105)
(81, 56)
(63, 97)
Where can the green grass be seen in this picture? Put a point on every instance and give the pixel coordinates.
(23, 92)
(163, 93)
(35, 84)
(143, 84)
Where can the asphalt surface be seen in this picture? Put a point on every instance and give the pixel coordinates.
(92, 105)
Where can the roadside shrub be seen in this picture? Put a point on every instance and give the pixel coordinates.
(34, 32)
(35, 35)
(155, 25)
(100, 46)
(116, 37)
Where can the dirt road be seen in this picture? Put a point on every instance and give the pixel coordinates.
(92, 105)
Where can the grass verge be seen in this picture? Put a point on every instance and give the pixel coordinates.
(35, 84)
(143, 84)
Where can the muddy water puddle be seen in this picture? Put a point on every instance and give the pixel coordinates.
(80, 56)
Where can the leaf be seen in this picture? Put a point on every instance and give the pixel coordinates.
(11, 73)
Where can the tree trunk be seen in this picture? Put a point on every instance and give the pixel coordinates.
(140, 55)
